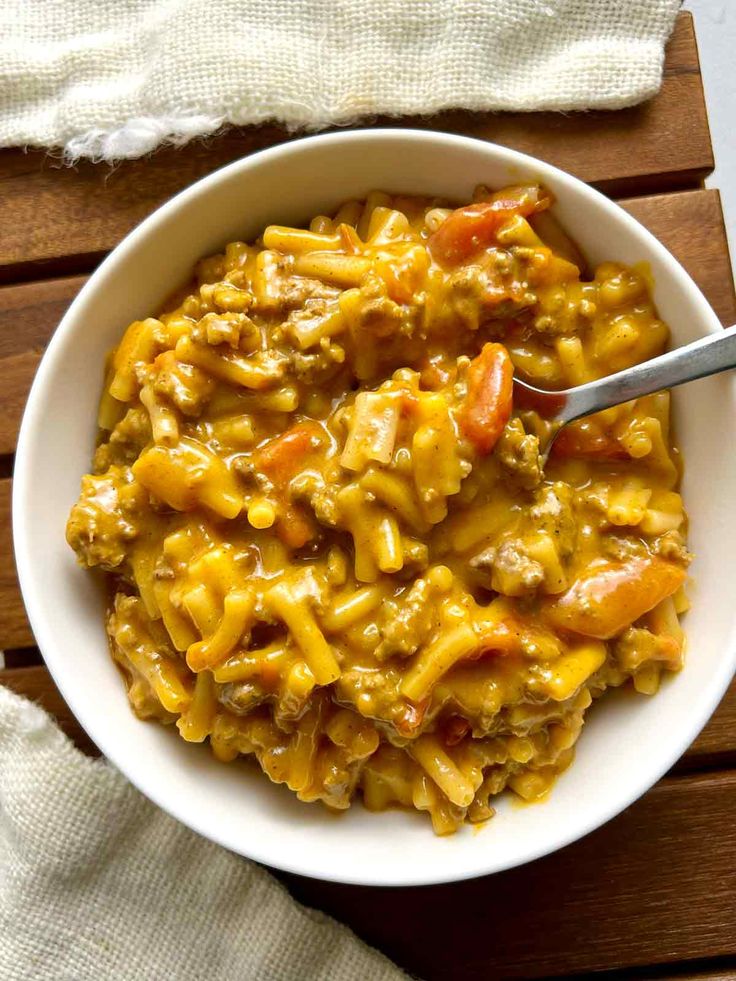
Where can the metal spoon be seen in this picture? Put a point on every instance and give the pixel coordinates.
(706, 356)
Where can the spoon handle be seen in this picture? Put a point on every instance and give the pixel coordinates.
(706, 356)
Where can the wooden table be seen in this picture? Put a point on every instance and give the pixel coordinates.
(652, 894)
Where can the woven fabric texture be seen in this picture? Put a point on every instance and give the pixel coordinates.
(96, 884)
(110, 79)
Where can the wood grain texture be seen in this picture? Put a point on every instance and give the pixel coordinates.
(689, 223)
(49, 212)
(697, 969)
(29, 314)
(654, 886)
(716, 744)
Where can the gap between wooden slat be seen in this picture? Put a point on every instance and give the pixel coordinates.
(699, 969)
(695, 762)
(15, 631)
(20, 657)
(52, 268)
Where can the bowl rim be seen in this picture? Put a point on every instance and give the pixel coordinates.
(262, 851)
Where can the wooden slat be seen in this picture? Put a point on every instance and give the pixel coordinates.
(17, 374)
(48, 212)
(28, 316)
(689, 223)
(654, 886)
(691, 226)
(35, 683)
(699, 969)
(717, 742)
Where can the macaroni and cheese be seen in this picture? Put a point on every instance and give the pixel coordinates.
(333, 541)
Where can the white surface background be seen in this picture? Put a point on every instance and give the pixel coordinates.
(715, 30)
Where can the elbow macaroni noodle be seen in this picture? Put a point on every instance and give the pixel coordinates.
(331, 541)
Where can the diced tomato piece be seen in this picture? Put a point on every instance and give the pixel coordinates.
(282, 456)
(489, 400)
(435, 371)
(469, 230)
(454, 730)
(295, 526)
(513, 637)
(612, 595)
(503, 637)
(412, 717)
(581, 439)
(281, 459)
(269, 675)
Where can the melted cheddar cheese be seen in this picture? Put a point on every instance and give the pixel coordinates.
(332, 540)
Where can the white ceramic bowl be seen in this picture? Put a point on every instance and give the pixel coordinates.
(628, 743)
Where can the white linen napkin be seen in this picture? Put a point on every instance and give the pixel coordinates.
(97, 884)
(109, 79)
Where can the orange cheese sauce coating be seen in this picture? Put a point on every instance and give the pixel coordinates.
(331, 540)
